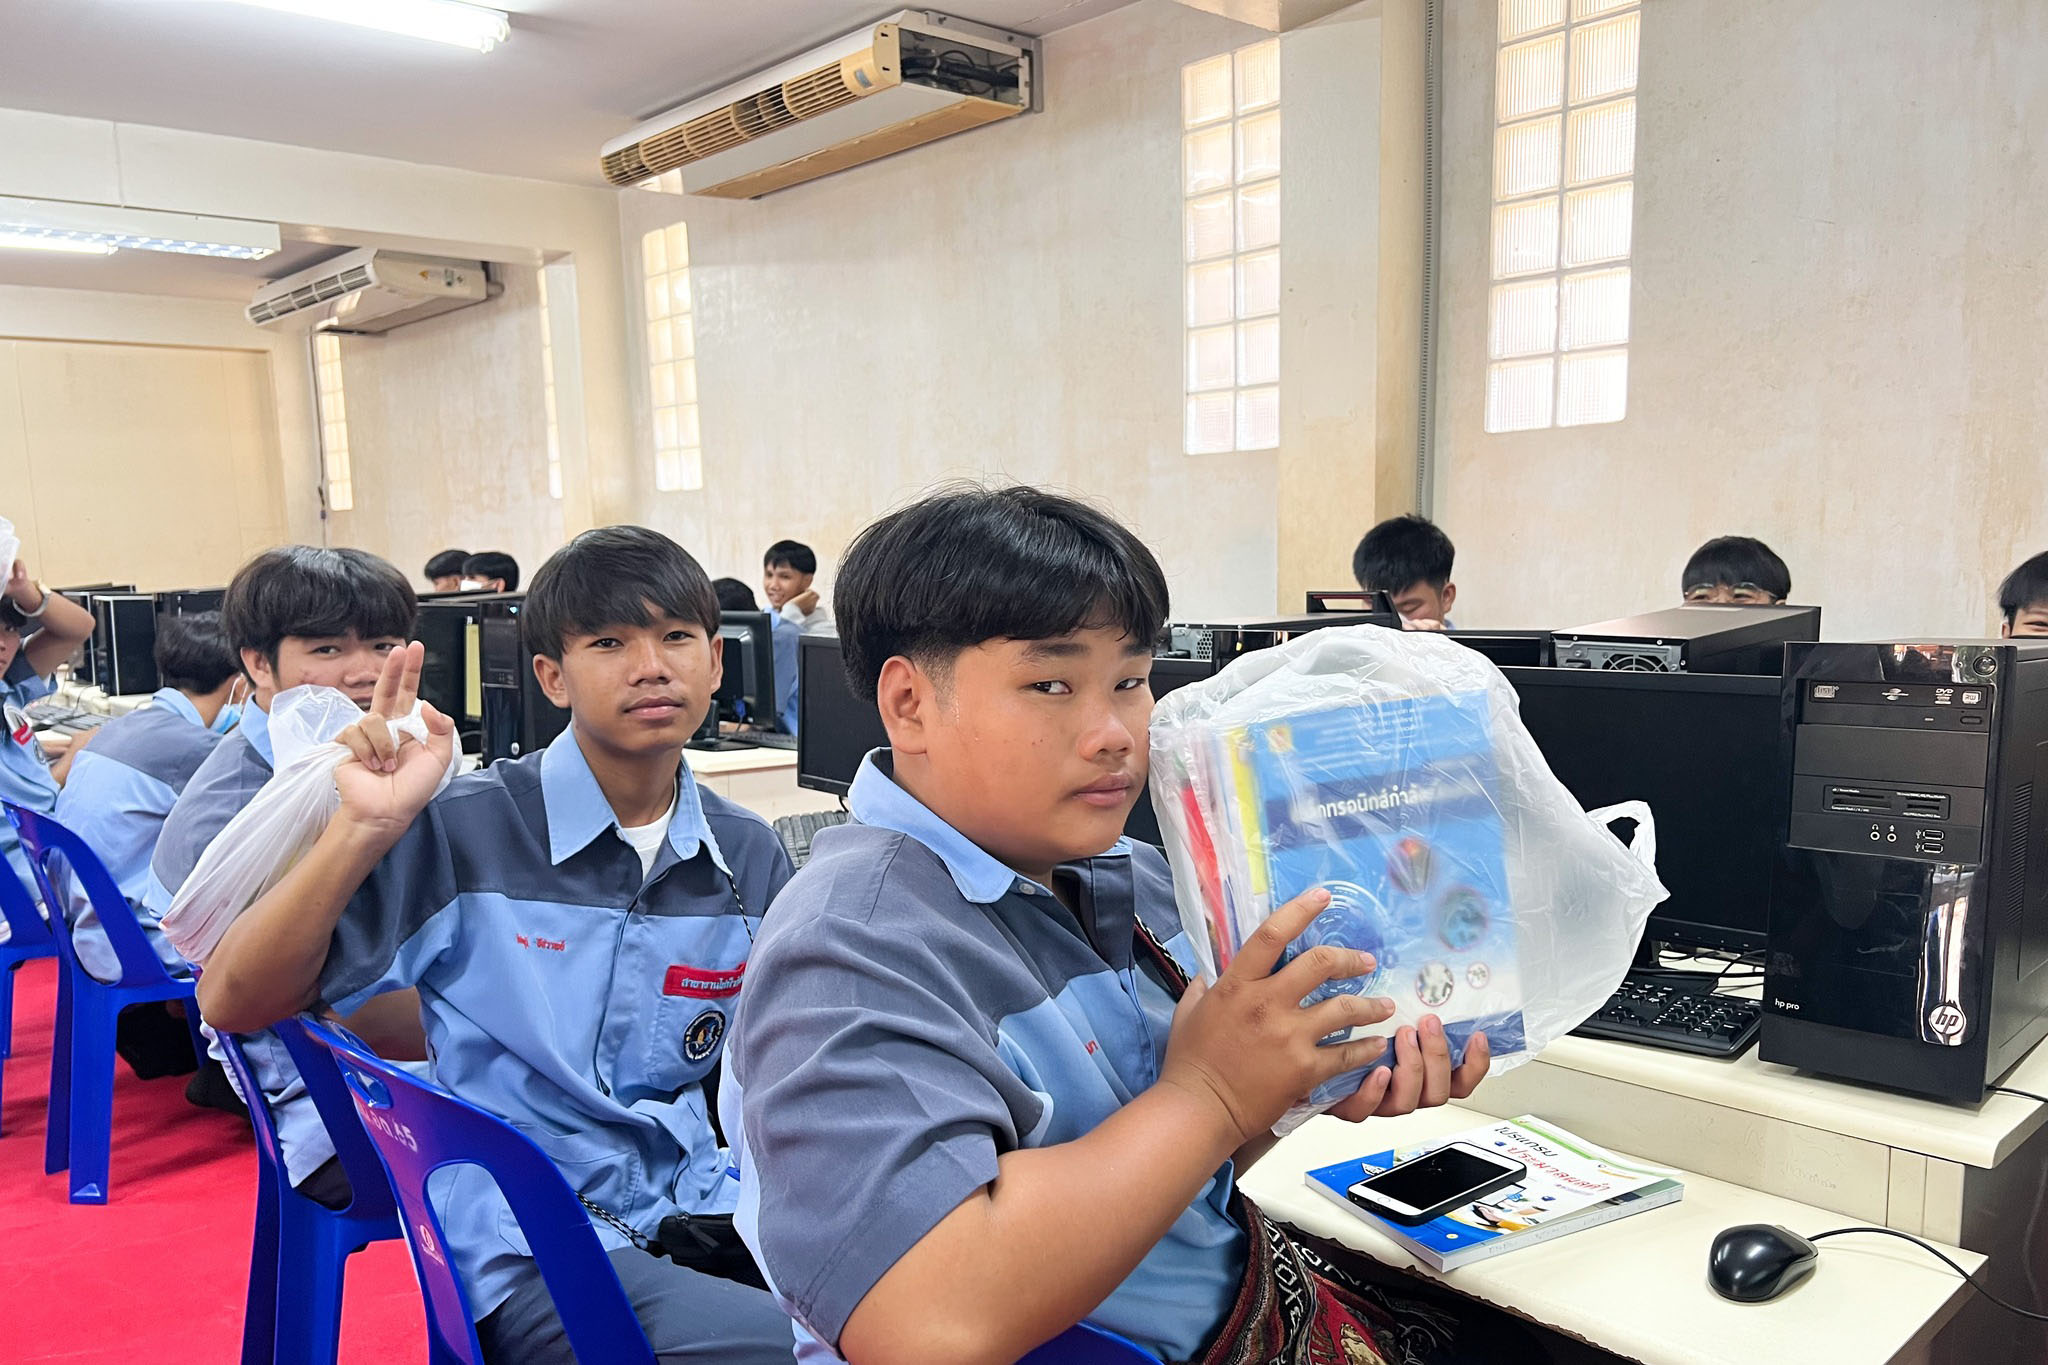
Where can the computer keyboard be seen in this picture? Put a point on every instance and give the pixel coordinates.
(765, 739)
(797, 831)
(80, 723)
(45, 712)
(1679, 1012)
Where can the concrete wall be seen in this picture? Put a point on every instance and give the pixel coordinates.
(1840, 328)
(447, 434)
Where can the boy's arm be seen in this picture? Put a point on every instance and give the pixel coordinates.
(1037, 1249)
(267, 965)
(64, 622)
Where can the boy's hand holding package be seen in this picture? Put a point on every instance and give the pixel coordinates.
(394, 775)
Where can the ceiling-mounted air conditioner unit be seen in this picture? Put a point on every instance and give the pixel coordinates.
(909, 79)
(371, 291)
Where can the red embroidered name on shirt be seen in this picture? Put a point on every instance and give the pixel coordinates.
(553, 945)
(683, 980)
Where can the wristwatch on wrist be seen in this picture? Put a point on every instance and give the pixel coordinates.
(41, 606)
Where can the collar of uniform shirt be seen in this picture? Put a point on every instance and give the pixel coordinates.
(255, 728)
(171, 699)
(578, 811)
(876, 798)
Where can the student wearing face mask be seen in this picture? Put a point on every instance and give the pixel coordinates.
(123, 781)
(491, 571)
(1735, 571)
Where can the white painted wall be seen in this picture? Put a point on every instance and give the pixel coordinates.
(1003, 304)
(1840, 322)
(447, 435)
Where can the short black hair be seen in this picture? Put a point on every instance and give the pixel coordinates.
(734, 595)
(967, 564)
(493, 564)
(1403, 551)
(793, 553)
(2026, 586)
(313, 591)
(193, 653)
(447, 564)
(12, 617)
(611, 577)
(1733, 561)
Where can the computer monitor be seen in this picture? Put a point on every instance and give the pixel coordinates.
(451, 679)
(1509, 648)
(189, 601)
(1703, 750)
(747, 691)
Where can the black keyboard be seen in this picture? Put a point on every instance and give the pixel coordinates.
(79, 724)
(797, 831)
(765, 739)
(1680, 1012)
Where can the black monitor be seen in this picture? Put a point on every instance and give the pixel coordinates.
(1509, 648)
(451, 679)
(837, 726)
(1703, 750)
(747, 691)
(189, 601)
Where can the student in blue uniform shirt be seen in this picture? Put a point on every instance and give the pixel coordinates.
(296, 616)
(39, 630)
(972, 1113)
(784, 636)
(578, 924)
(123, 783)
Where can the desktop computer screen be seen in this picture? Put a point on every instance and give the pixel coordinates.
(747, 690)
(1703, 751)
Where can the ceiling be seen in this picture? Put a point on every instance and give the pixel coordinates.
(161, 272)
(574, 73)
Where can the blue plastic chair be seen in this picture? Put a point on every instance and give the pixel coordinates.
(1083, 1344)
(299, 1253)
(81, 1124)
(28, 938)
(419, 1129)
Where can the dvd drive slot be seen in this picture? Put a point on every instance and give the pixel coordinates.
(1886, 801)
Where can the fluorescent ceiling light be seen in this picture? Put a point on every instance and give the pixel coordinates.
(34, 241)
(440, 21)
(102, 228)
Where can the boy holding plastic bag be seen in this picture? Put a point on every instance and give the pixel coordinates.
(977, 1105)
(578, 924)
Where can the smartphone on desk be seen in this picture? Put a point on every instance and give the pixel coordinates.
(1433, 1184)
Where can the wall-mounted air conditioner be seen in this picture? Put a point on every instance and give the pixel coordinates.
(909, 79)
(371, 291)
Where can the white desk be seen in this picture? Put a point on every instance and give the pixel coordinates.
(762, 780)
(1637, 1287)
(1975, 1177)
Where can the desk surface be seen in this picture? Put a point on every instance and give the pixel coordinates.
(1983, 1135)
(1637, 1287)
(748, 760)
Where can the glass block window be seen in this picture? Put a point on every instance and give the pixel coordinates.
(1564, 157)
(340, 483)
(671, 359)
(1230, 184)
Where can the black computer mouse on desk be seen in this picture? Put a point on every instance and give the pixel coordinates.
(1757, 1262)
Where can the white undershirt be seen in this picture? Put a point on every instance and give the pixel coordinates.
(646, 839)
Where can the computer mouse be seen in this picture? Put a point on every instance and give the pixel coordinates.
(1757, 1262)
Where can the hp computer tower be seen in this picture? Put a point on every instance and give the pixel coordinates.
(1908, 939)
(1699, 637)
(124, 643)
(1222, 639)
(518, 718)
(450, 673)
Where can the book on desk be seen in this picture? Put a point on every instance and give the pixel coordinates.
(1571, 1185)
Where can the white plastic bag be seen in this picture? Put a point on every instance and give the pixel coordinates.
(1393, 769)
(10, 547)
(267, 837)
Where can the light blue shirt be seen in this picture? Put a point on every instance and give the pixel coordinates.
(916, 1011)
(120, 791)
(562, 989)
(25, 777)
(784, 636)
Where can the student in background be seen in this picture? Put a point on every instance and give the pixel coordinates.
(1409, 559)
(122, 787)
(640, 894)
(787, 573)
(1736, 570)
(967, 1109)
(296, 616)
(2023, 599)
(734, 595)
(444, 570)
(490, 571)
(39, 630)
